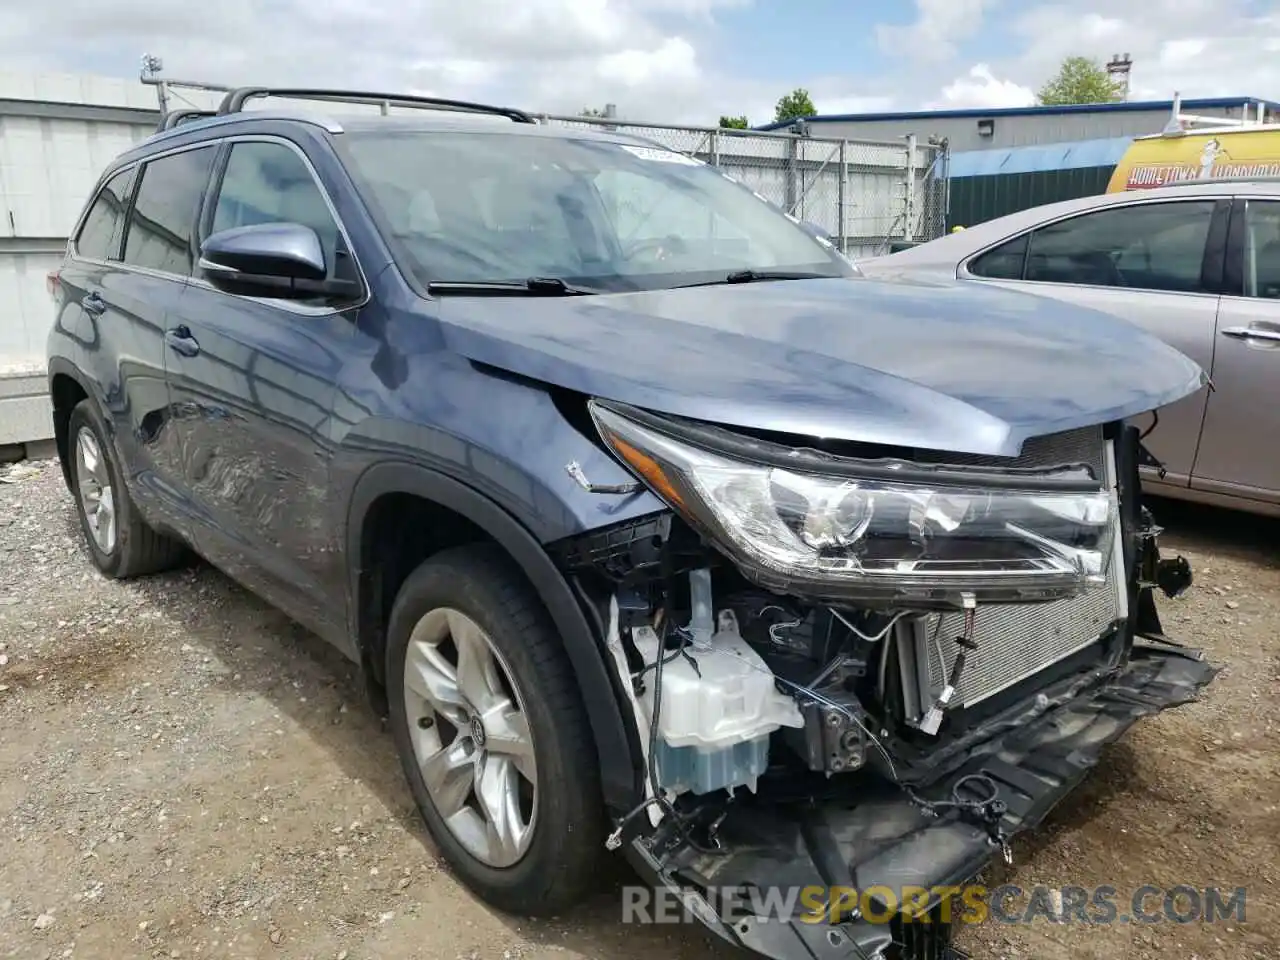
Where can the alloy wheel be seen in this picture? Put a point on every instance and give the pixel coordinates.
(471, 737)
(97, 497)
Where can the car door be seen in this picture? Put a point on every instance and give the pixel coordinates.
(1238, 454)
(1151, 263)
(119, 351)
(131, 294)
(157, 257)
(254, 380)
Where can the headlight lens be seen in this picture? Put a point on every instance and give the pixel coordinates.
(877, 540)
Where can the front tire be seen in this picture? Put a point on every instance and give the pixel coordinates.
(120, 542)
(492, 732)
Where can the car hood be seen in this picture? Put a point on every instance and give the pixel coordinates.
(917, 264)
(938, 365)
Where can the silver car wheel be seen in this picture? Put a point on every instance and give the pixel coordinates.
(471, 737)
(97, 498)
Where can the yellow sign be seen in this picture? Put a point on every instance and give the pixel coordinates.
(1159, 161)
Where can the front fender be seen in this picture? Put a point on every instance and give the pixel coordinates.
(616, 743)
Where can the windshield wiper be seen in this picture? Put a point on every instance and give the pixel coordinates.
(533, 287)
(751, 276)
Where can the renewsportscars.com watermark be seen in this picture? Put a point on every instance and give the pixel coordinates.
(973, 903)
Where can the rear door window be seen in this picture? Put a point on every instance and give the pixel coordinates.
(1262, 250)
(98, 238)
(164, 211)
(1150, 246)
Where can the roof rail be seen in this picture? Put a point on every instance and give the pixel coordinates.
(235, 100)
(177, 117)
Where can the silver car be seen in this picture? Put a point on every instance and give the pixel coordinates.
(1198, 265)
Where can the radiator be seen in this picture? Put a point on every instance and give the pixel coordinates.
(1015, 641)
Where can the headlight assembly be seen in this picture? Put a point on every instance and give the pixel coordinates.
(876, 539)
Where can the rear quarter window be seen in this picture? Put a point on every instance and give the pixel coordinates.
(97, 239)
(1004, 262)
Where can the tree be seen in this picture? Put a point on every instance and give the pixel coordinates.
(592, 112)
(795, 105)
(1081, 80)
(734, 123)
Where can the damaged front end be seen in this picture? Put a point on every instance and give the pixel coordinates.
(862, 669)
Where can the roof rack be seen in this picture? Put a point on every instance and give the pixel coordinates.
(235, 100)
(178, 117)
(1180, 123)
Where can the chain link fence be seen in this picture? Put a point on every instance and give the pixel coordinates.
(869, 197)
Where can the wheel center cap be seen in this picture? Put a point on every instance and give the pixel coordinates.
(477, 732)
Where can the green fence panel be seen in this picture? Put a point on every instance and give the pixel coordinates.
(976, 199)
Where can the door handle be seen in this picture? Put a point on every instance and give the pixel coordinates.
(1252, 333)
(181, 342)
(92, 303)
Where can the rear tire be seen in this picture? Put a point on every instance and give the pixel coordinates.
(483, 661)
(120, 542)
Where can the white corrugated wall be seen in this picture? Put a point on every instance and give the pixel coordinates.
(57, 133)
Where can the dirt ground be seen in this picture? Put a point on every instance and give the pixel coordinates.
(184, 773)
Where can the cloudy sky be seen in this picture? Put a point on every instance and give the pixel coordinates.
(687, 60)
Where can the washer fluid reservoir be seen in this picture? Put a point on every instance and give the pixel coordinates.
(715, 720)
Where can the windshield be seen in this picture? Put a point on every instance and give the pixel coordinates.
(482, 207)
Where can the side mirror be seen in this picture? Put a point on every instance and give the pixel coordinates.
(283, 260)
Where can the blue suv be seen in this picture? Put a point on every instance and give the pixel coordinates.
(652, 525)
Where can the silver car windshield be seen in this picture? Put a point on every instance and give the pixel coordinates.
(492, 207)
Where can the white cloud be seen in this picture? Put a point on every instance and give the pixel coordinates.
(1178, 53)
(556, 55)
(981, 88)
(839, 102)
(938, 27)
(1200, 48)
(655, 59)
(673, 60)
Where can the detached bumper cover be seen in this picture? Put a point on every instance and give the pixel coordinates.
(874, 835)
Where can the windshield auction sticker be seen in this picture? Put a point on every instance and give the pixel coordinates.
(661, 156)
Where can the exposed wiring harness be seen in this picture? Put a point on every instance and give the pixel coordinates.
(776, 629)
(811, 694)
(988, 809)
(874, 637)
(659, 798)
(932, 720)
(660, 662)
(1155, 422)
(1145, 456)
(637, 678)
(831, 667)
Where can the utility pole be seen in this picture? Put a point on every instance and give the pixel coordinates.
(1118, 68)
(151, 67)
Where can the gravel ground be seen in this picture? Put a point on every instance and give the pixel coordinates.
(183, 772)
